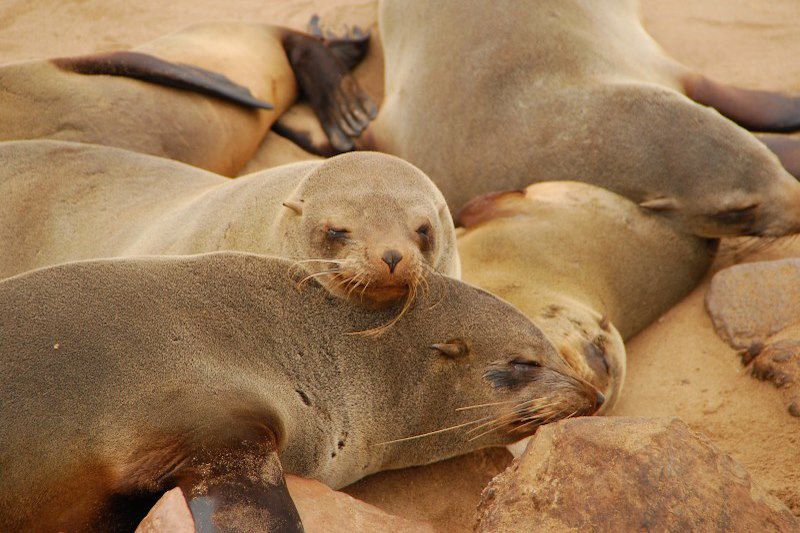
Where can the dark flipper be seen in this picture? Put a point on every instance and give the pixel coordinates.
(154, 70)
(240, 490)
(787, 149)
(755, 110)
(321, 69)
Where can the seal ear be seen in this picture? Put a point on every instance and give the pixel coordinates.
(454, 349)
(660, 204)
(294, 205)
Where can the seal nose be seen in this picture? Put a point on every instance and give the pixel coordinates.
(599, 399)
(391, 258)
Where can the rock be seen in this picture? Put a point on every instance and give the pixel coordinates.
(325, 510)
(750, 302)
(445, 494)
(170, 514)
(627, 474)
(321, 509)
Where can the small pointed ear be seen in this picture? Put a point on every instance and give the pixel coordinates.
(441, 206)
(660, 204)
(453, 349)
(294, 205)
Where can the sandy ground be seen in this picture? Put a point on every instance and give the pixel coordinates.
(676, 367)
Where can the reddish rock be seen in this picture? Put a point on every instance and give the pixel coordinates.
(170, 514)
(325, 510)
(627, 474)
(321, 510)
(750, 302)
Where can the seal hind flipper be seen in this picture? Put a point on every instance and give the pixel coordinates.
(342, 107)
(787, 149)
(240, 489)
(752, 109)
(151, 69)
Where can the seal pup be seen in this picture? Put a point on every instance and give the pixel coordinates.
(576, 90)
(123, 378)
(584, 264)
(235, 79)
(366, 225)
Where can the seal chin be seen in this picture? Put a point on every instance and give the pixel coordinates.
(365, 290)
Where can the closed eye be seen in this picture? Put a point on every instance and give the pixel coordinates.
(524, 364)
(425, 236)
(742, 215)
(337, 233)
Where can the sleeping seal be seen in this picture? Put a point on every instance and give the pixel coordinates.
(584, 264)
(205, 95)
(548, 90)
(368, 226)
(124, 378)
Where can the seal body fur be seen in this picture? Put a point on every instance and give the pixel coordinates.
(55, 99)
(69, 201)
(568, 90)
(584, 264)
(116, 373)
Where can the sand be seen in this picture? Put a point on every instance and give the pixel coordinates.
(677, 367)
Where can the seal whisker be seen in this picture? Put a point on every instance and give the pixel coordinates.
(430, 432)
(467, 407)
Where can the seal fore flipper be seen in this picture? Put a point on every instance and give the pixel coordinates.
(752, 109)
(321, 69)
(151, 69)
(240, 489)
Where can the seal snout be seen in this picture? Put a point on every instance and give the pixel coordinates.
(391, 258)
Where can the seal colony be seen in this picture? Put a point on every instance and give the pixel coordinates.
(587, 266)
(235, 80)
(367, 226)
(571, 90)
(98, 421)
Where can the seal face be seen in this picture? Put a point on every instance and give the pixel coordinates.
(571, 90)
(210, 401)
(371, 227)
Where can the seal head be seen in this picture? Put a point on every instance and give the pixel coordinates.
(369, 225)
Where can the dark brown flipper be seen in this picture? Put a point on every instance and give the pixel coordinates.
(755, 110)
(321, 69)
(787, 149)
(240, 490)
(154, 70)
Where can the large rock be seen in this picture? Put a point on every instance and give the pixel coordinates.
(321, 509)
(749, 303)
(627, 474)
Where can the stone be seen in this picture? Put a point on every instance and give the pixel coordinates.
(627, 474)
(322, 510)
(750, 302)
(169, 514)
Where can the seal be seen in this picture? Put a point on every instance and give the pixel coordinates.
(123, 378)
(571, 90)
(584, 264)
(205, 95)
(366, 225)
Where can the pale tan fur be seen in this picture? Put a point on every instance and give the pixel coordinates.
(40, 101)
(69, 201)
(585, 265)
(489, 98)
(122, 368)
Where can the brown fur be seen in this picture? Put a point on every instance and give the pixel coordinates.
(492, 99)
(132, 369)
(69, 201)
(585, 265)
